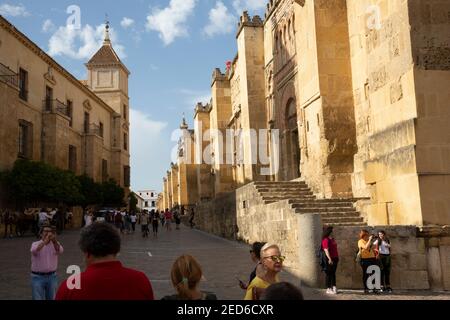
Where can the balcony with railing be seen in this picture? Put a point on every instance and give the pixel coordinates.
(55, 106)
(8, 76)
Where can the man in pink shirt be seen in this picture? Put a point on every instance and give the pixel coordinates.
(44, 262)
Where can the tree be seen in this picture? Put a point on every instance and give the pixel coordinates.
(31, 182)
(113, 194)
(92, 192)
(133, 202)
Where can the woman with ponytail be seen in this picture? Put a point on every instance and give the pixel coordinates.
(186, 275)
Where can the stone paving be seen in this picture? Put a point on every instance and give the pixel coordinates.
(222, 261)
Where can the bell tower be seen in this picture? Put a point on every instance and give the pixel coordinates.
(108, 79)
(108, 76)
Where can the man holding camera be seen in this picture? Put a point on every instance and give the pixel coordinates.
(44, 263)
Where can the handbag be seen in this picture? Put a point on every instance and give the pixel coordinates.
(358, 256)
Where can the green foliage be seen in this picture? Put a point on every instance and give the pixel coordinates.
(92, 192)
(31, 182)
(133, 202)
(113, 194)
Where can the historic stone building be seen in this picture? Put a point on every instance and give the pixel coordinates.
(352, 100)
(46, 114)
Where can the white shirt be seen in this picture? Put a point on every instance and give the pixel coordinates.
(383, 247)
(43, 216)
(133, 218)
(88, 220)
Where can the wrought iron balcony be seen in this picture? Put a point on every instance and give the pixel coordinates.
(55, 106)
(8, 76)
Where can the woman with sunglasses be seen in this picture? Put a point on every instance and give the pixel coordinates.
(272, 262)
(255, 255)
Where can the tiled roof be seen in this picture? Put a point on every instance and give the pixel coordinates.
(105, 55)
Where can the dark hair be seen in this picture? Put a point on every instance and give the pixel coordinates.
(382, 231)
(256, 248)
(326, 232)
(282, 291)
(44, 226)
(100, 239)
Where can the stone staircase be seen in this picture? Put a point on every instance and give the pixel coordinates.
(334, 212)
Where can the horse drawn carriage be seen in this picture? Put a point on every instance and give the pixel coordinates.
(21, 221)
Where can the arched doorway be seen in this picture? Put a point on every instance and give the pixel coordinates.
(292, 142)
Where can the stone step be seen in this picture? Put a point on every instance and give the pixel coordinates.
(348, 224)
(291, 189)
(336, 211)
(278, 198)
(286, 195)
(326, 220)
(336, 215)
(294, 200)
(318, 204)
(324, 209)
(280, 184)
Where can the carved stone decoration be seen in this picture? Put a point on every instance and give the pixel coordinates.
(87, 105)
(49, 76)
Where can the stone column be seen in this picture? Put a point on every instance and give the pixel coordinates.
(309, 237)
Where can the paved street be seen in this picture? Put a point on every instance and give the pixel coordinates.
(222, 262)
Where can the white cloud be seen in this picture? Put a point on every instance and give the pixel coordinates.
(81, 43)
(250, 5)
(170, 22)
(48, 26)
(126, 22)
(147, 146)
(13, 10)
(194, 96)
(221, 21)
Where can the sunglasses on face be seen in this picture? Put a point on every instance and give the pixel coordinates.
(276, 258)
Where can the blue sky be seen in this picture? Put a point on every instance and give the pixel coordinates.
(170, 46)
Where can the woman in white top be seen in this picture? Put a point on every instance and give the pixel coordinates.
(383, 247)
(88, 218)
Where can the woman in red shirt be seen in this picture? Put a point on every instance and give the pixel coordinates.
(329, 246)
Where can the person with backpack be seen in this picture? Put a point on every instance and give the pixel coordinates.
(367, 256)
(330, 249)
(383, 248)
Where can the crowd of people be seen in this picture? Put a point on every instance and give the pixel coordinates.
(17, 223)
(373, 250)
(106, 277)
(126, 221)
